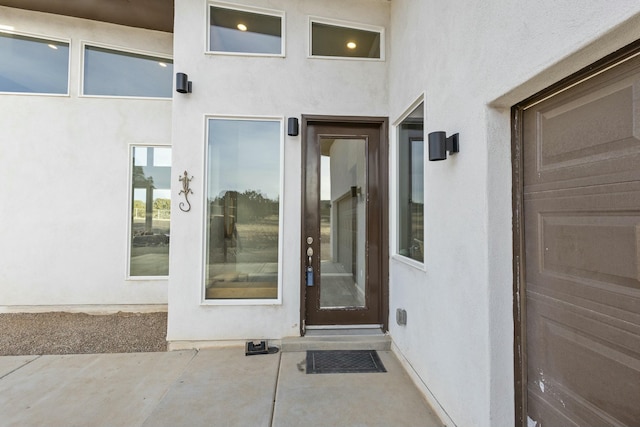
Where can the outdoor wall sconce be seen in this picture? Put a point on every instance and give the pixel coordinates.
(292, 126)
(183, 85)
(439, 144)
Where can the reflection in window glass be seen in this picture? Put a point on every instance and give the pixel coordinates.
(244, 32)
(114, 73)
(343, 222)
(150, 211)
(411, 186)
(243, 202)
(334, 40)
(32, 65)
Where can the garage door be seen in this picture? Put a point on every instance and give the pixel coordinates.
(581, 192)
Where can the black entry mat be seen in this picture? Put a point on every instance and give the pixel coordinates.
(343, 361)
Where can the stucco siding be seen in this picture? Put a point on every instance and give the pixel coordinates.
(248, 86)
(473, 61)
(64, 165)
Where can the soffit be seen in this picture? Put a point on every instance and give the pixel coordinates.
(150, 14)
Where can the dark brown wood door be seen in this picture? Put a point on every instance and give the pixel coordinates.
(344, 223)
(581, 159)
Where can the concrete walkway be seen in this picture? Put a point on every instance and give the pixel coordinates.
(213, 387)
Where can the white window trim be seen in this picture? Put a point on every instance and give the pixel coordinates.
(242, 8)
(85, 43)
(129, 192)
(203, 221)
(44, 38)
(394, 205)
(346, 24)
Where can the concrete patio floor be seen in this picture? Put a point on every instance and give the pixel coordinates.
(211, 387)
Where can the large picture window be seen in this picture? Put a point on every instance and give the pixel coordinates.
(109, 72)
(411, 185)
(245, 32)
(243, 209)
(150, 211)
(33, 65)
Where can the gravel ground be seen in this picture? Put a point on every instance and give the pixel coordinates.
(77, 333)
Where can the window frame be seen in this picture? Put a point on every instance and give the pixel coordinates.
(350, 25)
(129, 192)
(203, 244)
(242, 8)
(44, 38)
(396, 202)
(83, 46)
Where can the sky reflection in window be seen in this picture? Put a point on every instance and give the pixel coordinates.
(114, 73)
(245, 155)
(32, 65)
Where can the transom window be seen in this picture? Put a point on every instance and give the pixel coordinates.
(245, 31)
(109, 72)
(411, 185)
(33, 65)
(340, 40)
(243, 209)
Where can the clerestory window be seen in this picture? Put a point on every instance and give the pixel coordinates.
(110, 72)
(245, 31)
(33, 65)
(332, 39)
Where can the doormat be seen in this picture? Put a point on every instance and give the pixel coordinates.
(343, 361)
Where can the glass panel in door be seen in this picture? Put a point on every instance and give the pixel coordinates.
(343, 183)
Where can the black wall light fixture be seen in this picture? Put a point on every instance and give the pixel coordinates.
(183, 85)
(292, 126)
(439, 144)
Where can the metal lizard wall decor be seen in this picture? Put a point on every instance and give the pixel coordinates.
(186, 191)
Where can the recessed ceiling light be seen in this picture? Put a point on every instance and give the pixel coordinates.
(162, 64)
(242, 27)
(53, 46)
(351, 45)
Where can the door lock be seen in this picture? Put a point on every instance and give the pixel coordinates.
(309, 269)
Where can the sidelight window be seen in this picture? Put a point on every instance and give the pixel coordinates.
(243, 209)
(411, 185)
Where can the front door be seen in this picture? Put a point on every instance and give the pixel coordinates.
(344, 221)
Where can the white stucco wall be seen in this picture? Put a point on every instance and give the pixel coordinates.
(257, 86)
(64, 165)
(473, 60)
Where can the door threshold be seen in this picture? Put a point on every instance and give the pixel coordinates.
(344, 330)
(319, 327)
(346, 339)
